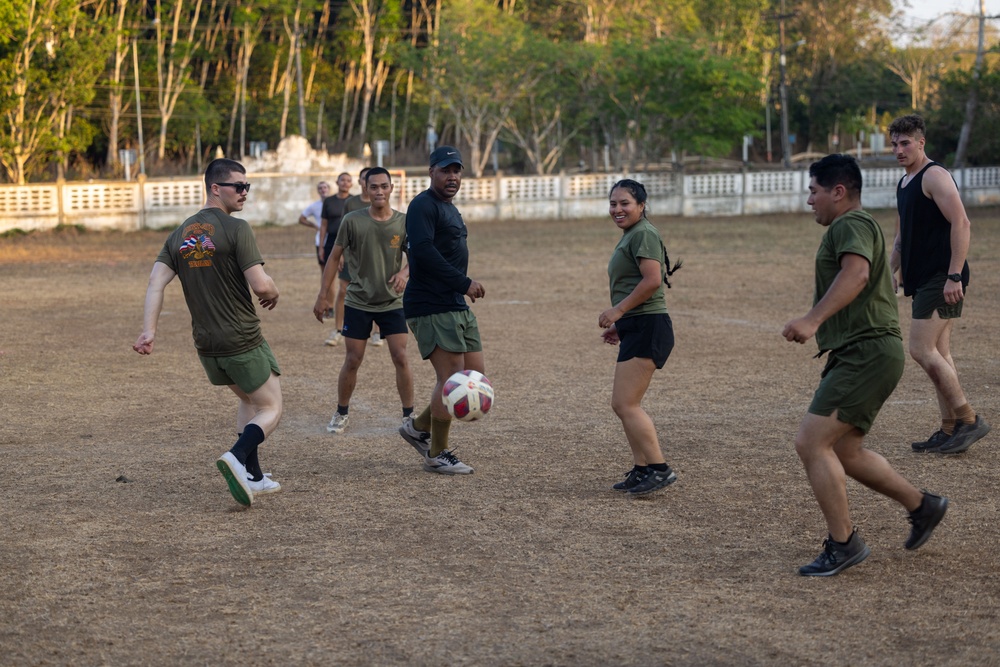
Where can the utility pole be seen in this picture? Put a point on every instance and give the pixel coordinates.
(767, 121)
(138, 106)
(786, 149)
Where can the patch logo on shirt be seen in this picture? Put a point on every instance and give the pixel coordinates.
(395, 242)
(197, 246)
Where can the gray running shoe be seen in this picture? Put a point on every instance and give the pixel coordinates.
(932, 443)
(632, 477)
(338, 423)
(653, 481)
(965, 436)
(420, 440)
(446, 463)
(837, 557)
(924, 519)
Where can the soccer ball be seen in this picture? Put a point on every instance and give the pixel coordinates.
(468, 395)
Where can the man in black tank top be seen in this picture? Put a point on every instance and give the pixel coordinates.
(931, 245)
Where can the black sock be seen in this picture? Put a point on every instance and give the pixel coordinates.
(641, 468)
(342, 409)
(407, 412)
(253, 467)
(659, 467)
(252, 437)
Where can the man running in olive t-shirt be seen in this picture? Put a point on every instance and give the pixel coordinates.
(216, 257)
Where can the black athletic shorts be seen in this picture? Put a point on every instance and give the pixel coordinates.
(646, 337)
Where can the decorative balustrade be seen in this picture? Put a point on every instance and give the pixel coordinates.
(279, 198)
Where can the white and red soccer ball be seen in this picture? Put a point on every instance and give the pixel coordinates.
(468, 395)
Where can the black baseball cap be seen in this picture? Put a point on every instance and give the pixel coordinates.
(445, 155)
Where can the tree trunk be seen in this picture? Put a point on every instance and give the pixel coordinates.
(172, 69)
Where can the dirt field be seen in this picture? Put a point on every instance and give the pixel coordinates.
(364, 559)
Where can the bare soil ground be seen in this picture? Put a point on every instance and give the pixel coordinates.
(365, 559)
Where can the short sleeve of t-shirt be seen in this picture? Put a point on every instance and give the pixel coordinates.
(854, 235)
(247, 253)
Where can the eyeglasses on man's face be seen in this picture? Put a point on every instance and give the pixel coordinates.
(239, 187)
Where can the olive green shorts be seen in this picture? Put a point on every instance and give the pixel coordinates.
(457, 331)
(858, 379)
(247, 370)
(930, 297)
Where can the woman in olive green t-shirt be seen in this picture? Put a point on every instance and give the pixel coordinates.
(639, 324)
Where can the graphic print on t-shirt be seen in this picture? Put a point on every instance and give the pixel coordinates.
(197, 246)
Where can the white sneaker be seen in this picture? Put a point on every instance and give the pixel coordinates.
(446, 463)
(377, 340)
(334, 339)
(236, 477)
(338, 423)
(265, 485)
(420, 440)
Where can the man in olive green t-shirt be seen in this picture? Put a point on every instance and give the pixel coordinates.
(371, 241)
(855, 318)
(361, 202)
(216, 257)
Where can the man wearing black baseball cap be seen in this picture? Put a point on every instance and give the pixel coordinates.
(434, 303)
(446, 155)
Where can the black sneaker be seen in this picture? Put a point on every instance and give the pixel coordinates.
(964, 436)
(924, 519)
(932, 443)
(837, 557)
(632, 477)
(653, 481)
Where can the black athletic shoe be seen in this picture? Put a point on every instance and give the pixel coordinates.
(964, 436)
(924, 519)
(837, 557)
(632, 477)
(932, 443)
(653, 481)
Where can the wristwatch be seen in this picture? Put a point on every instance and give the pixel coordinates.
(957, 277)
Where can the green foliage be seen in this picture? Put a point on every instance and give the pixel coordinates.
(49, 64)
(944, 122)
(483, 64)
(547, 77)
(554, 111)
(70, 229)
(670, 95)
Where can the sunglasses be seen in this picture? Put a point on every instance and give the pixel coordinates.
(240, 187)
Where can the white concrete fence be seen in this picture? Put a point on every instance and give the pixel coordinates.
(278, 198)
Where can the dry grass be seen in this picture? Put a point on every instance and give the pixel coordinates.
(366, 559)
